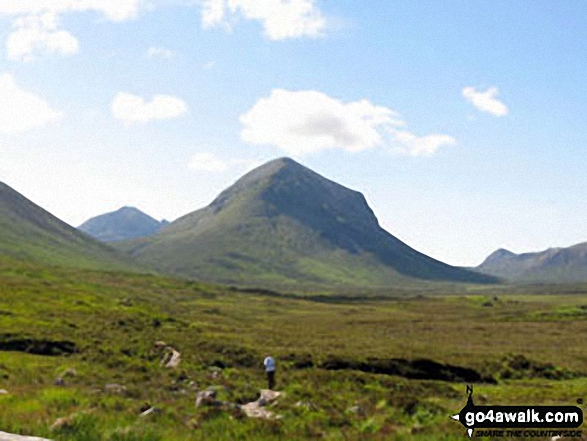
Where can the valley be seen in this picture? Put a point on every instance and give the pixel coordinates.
(526, 346)
(147, 330)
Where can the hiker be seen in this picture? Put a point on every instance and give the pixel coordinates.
(270, 369)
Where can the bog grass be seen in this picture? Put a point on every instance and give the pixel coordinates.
(530, 339)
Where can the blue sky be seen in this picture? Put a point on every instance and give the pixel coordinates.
(463, 123)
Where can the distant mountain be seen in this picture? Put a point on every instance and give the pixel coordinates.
(29, 232)
(124, 224)
(555, 265)
(284, 225)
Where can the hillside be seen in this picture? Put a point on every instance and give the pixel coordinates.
(285, 225)
(31, 233)
(124, 224)
(555, 265)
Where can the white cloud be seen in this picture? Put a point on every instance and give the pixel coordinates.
(211, 163)
(37, 27)
(214, 13)
(39, 34)
(486, 101)
(281, 19)
(115, 10)
(413, 145)
(21, 110)
(306, 122)
(132, 109)
(161, 53)
(36, 23)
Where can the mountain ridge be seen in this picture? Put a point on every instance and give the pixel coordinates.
(553, 265)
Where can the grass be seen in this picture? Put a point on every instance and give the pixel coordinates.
(114, 319)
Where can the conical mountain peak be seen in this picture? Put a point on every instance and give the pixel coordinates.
(502, 253)
(127, 209)
(262, 177)
(123, 224)
(283, 224)
(272, 168)
(283, 187)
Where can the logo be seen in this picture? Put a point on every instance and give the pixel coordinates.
(511, 419)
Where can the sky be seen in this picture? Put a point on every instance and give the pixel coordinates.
(462, 123)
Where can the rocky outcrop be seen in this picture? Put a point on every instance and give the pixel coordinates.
(174, 358)
(207, 397)
(254, 409)
(171, 358)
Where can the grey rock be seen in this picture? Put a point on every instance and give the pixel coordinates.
(256, 409)
(205, 397)
(354, 409)
(151, 411)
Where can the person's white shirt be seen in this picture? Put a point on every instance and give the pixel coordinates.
(269, 364)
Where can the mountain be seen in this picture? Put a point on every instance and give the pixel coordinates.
(124, 224)
(29, 232)
(284, 225)
(555, 265)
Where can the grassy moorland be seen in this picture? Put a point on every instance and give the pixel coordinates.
(336, 357)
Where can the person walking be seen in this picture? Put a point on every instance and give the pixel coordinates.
(270, 369)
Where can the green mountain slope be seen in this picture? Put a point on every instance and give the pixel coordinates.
(555, 265)
(29, 232)
(283, 224)
(124, 224)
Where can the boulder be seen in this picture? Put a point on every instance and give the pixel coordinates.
(205, 397)
(150, 411)
(171, 358)
(256, 409)
(174, 360)
(354, 409)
